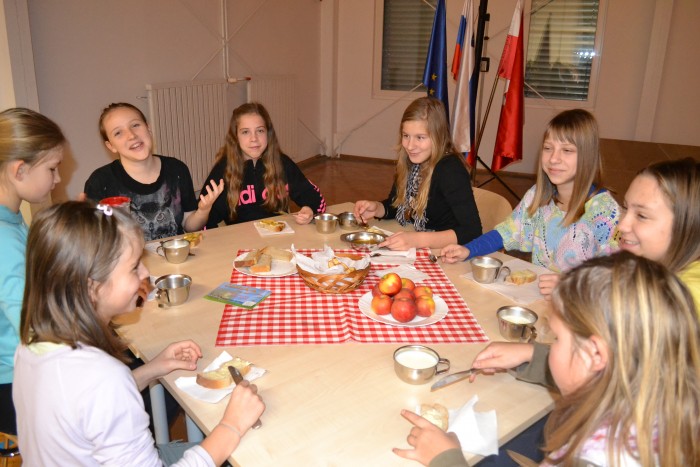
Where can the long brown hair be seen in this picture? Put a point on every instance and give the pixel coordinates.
(679, 181)
(71, 246)
(274, 178)
(577, 127)
(432, 112)
(648, 394)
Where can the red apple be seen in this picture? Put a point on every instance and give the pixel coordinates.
(381, 304)
(422, 290)
(425, 306)
(375, 290)
(405, 293)
(390, 284)
(403, 310)
(407, 283)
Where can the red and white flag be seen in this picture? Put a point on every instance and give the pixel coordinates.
(509, 139)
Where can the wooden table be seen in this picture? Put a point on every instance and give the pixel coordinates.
(326, 404)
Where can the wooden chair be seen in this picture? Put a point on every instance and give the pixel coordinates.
(493, 208)
(9, 451)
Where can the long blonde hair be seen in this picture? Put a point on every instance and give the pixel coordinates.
(577, 127)
(27, 136)
(648, 395)
(274, 178)
(432, 112)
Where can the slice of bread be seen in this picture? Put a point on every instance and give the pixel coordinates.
(278, 254)
(273, 226)
(250, 259)
(221, 377)
(436, 414)
(264, 264)
(522, 277)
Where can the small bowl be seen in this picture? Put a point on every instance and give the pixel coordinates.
(363, 241)
(326, 223)
(417, 364)
(348, 221)
(172, 289)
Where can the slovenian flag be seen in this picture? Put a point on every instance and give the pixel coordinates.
(467, 77)
(509, 139)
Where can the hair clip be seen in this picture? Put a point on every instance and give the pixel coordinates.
(106, 209)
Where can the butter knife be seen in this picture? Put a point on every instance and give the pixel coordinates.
(237, 378)
(453, 378)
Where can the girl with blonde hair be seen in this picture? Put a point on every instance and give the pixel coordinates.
(567, 217)
(626, 360)
(31, 149)
(258, 178)
(432, 189)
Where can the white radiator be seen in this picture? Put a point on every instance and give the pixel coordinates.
(278, 94)
(189, 121)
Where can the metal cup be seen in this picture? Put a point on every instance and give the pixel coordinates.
(175, 251)
(517, 324)
(172, 289)
(487, 269)
(417, 364)
(326, 223)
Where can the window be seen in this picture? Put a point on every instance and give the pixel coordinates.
(561, 49)
(406, 29)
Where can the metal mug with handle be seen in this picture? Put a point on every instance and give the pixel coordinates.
(517, 323)
(487, 270)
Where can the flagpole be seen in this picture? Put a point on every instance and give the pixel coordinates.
(478, 49)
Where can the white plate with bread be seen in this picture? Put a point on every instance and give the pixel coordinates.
(270, 227)
(266, 262)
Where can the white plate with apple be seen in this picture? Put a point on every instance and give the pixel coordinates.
(441, 310)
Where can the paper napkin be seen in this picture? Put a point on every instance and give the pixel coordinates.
(523, 294)
(393, 256)
(189, 383)
(477, 431)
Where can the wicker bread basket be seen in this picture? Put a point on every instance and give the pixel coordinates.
(335, 283)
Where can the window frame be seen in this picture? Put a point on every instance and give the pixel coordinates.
(377, 91)
(562, 104)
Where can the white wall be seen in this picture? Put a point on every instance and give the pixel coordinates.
(626, 49)
(91, 53)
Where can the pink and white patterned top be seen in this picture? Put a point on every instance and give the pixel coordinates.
(557, 247)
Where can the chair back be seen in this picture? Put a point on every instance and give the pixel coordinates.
(9, 454)
(493, 208)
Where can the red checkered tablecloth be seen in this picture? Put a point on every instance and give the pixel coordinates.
(297, 314)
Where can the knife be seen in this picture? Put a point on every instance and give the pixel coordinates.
(453, 378)
(237, 378)
(521, 460)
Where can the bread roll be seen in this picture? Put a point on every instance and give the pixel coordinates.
(436, 414)
(264, 264)
(221, 377)
(278, 254)
(273, 226)
(248, 260)
(522, 277)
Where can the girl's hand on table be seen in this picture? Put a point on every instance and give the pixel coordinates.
(365, 210)
(303, 216)
(454, 253)
(400, 241)
(501, 356)
(244, 407)
(181, 355)
(427, 440)
(547, 284)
